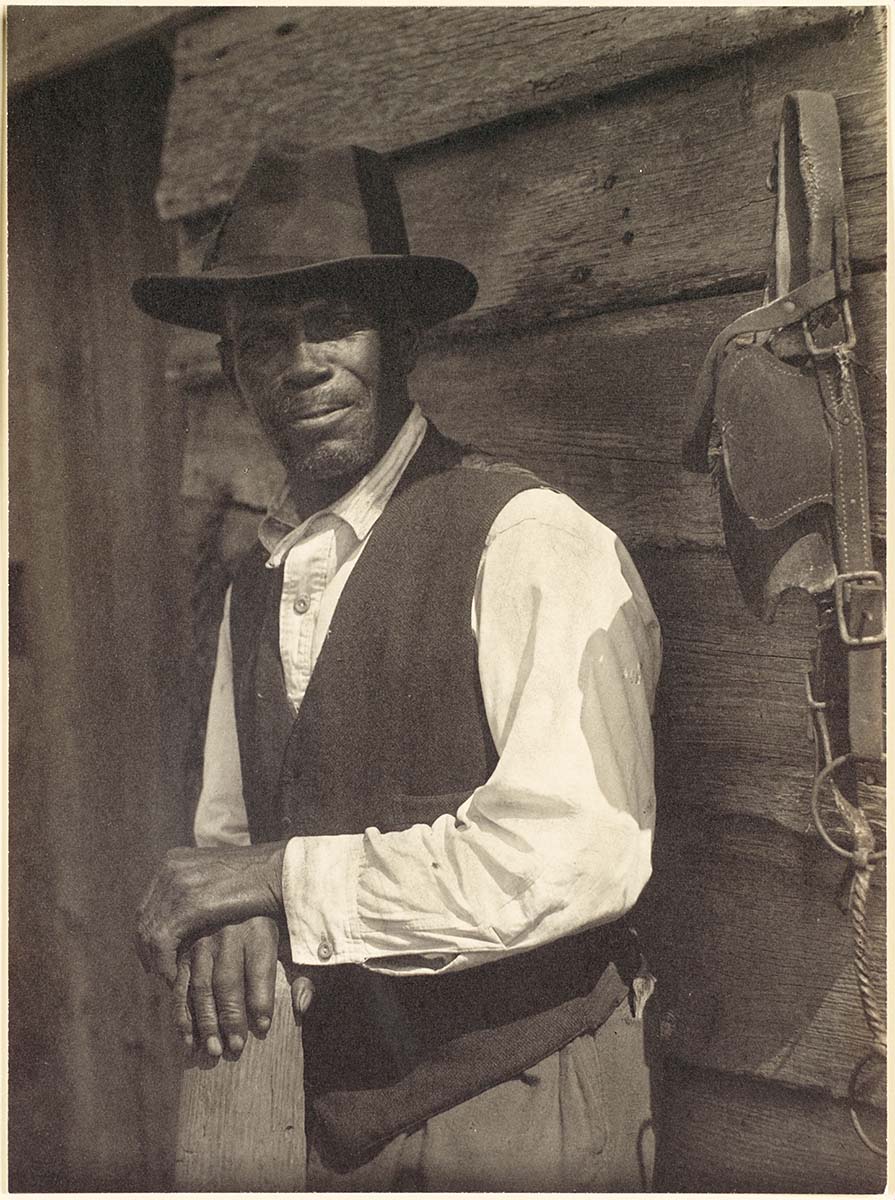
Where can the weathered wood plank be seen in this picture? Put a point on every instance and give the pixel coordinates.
(241, 1123)
(645, 196)
(391, 77)
(754, 954)
(594, 406)
(45, 40)
(719, 1133)
(722, 745)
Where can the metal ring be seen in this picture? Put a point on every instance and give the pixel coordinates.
(815, 805)
(853, 1100)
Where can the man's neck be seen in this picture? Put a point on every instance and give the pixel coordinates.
(310, 495)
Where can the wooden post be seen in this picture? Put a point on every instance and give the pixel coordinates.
(241, 1124)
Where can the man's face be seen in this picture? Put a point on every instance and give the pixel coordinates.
(314, 374)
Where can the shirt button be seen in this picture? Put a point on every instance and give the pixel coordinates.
(301, 604)
(324, 951)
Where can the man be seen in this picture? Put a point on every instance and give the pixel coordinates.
(428, 757)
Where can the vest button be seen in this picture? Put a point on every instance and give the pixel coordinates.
(324, 951)
(301, 604)
(286, 825)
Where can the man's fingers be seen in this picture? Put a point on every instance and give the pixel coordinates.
(302, 995)
(222, 980)
(261, 940)
(183, 1018)
(201, 995)
(228, 984)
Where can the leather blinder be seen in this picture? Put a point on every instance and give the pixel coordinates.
(775, 444)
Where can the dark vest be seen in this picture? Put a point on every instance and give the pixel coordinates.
(392, 732)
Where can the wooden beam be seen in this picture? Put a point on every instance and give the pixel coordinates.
(392, 77)
(45, 40)
(97, 469)
(241, 1123)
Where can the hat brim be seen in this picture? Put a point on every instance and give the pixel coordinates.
(426, 288)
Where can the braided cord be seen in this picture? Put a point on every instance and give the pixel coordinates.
(863, 855)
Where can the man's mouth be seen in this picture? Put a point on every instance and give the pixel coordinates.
(312, 412)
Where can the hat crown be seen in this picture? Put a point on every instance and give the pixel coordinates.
(298, 206)
(312, 220)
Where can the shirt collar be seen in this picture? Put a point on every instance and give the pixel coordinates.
(359, 508)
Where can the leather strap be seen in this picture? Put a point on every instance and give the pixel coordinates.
(811, 232)
(786, 310)
(811, 240)
(807, 315)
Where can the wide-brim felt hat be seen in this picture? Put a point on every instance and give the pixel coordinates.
(307, 222)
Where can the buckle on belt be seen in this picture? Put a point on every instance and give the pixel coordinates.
(824, 351)
(872, 582)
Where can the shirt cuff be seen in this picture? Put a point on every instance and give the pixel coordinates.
(320, 877)
(320, 898)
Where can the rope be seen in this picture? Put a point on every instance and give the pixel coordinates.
(863, 855)
(860, 891)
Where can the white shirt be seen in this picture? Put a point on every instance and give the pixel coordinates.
(559, 837)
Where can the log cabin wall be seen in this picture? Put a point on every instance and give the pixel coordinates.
(603, 173)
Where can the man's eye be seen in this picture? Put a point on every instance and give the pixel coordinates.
(262, 337)
(331, 326)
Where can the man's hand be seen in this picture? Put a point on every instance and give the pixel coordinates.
(225, 987)
(199, 890)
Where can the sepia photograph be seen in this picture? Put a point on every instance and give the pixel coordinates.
(446, 458)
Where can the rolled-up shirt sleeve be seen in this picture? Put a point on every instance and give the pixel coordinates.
(559, 837)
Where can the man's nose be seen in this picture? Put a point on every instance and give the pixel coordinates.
(309, 366)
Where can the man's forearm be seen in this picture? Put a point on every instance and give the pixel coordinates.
(199, 889)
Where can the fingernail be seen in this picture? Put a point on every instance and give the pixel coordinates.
(187, 1039)
(214, 1048)
(235, 1044)
(262, 1024)
(305, 995)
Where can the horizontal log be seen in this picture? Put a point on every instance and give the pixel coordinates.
(720, 1133)
(701, 610)
(391, 77)
(594, 406)
(45, 40)
(746, 933)
(652, 194)
(648, 196)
